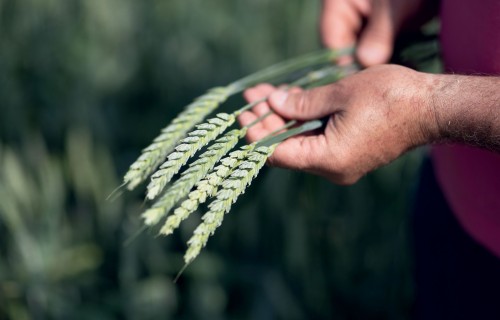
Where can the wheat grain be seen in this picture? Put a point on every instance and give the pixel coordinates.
(205, 188)
(162, 145)
(196, 139)
(232, 188)
(196, 171)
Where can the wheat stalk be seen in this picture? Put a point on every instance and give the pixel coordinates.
(153, 155)
(186, 150)
(232, 188)
(196, 171)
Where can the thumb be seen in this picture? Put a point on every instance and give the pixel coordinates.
(305, 105)
(376, 41)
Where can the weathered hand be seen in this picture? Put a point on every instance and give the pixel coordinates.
(374, 116)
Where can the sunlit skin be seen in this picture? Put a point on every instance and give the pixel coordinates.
(379, 113)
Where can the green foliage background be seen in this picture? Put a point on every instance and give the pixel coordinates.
(84, 85)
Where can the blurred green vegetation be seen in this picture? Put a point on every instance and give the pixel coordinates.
(84, 85)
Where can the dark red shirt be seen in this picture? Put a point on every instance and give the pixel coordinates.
(470, 177)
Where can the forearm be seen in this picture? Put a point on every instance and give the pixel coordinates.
(466, 109)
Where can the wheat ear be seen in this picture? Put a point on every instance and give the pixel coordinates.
(196, 171)
(205, 188)
(154, 154)
(204, 134)
(232, 188)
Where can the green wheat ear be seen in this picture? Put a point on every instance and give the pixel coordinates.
(196, 171)
(232, 188)
(204, 134)
(206, 188)
(153, 155)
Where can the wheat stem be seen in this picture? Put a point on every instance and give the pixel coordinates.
(310, 79)
(249, 106)
(259, 119)
(292, 65)
(305, 127)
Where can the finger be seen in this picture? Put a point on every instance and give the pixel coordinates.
(270, 122)
(258, 92)
(363, 6)
(261, 108)
(256, 131)
(307, 105)
(376, 41)
(340, 23)
(305, 153)
(246, 118)
(273, 122)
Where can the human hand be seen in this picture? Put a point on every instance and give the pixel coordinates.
(372, 24)
(374, 116)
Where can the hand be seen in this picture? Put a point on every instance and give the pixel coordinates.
(374, 116)
(343, 25)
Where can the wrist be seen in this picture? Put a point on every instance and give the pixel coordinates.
(421, 112)
(429, 117)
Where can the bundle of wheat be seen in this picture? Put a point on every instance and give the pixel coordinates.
(235, 171)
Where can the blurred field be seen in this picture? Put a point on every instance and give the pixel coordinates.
(84, 85)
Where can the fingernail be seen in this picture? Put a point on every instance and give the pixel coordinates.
(279, 98)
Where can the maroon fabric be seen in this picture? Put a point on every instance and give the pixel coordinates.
(470, 177)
